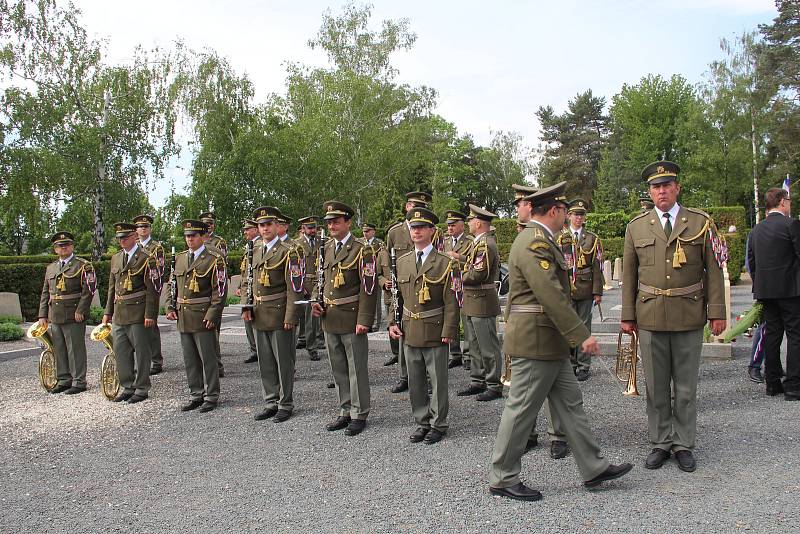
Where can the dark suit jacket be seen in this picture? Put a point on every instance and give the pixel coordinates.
(773, 254)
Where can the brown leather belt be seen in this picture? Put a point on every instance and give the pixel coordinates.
(344, 300)
(526, 308)
(71, 296)
(199, 300)
(671, 292)
(120, 298)
(423, 315)
(268, 298)
(479, 287)
(585, 270)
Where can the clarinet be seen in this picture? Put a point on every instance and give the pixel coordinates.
(173, 286)
(321, 268)
(248, 302)
(397, 297)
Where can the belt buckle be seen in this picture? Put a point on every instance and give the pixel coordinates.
(666, 292)
(414, 315)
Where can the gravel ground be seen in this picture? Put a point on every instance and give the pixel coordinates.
(82, 463)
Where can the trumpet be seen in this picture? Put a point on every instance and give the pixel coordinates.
(505, 378)
(109, 381)
(48, 373)
(627, 361)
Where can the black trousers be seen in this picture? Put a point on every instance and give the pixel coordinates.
(782, 315)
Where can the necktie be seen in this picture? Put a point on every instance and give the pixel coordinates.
(577, 238)
(667, 225)
(63, 263)
(419, 260)
(454, 243)
(339, 245)
(191, 258)
(124, 259)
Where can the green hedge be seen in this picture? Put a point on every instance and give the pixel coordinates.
(612, 247)
(736, 254)
(725, 216)
(11, 332)
(13, 319)
(43, 258)
(608, 224)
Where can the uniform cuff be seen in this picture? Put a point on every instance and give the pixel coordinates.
(716, 311)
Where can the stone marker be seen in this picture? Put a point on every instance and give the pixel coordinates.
(617, 269)
(9, 304)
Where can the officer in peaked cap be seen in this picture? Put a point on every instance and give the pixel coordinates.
(144, 228)
(456, 245)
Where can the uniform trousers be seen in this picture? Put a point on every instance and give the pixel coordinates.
(276, 360)
(69, 344)
(251, 338)
(200, 359)
(315, 339)
(671, 362)
(348, 354)
(580, 360)
(485, 353)
(532, 382)
(153, 335)
(132, 348)
(423, 362)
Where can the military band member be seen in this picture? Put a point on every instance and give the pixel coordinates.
(199, 300)
(368, 229)
(311, 337)
(481, 308)
(250, 233)
(672, 283)
(144, 227)
(283, 222)
(586, 271)
(69, 284)
(645, 203)
(398, 237)
(278, 281)
(216, 243)
(348, 298)
(541, 328)
(132, 309)
(429, 324)
(456, 245)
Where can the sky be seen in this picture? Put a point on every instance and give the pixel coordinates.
(493, 63)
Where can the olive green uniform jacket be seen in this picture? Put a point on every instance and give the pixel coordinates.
(218, 244)
(649, 259)
(423, 326)
(310, 253)
(589, 278)
(398, 237)
(539, 277)
(59, 305)
(205, 301)
(480, 273)
(462, 246)
(133, 305)
(274, 301)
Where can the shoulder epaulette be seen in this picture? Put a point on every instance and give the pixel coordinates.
(406, 254)
(536, 245)
(214, 253)
(640, 216)
(82, 260)
(538, 233)
(699, 212)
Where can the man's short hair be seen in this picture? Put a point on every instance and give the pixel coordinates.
(773, 197)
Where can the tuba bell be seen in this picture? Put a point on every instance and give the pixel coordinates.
(48, 374)
(627, 361)
(109, 381)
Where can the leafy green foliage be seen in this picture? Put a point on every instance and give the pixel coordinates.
(608, 224)
(95, 315)
(11, 332)
(13, 319)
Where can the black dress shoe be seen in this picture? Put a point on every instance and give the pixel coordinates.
(156, 370)
(656, 458)
(282, 415)
(137, 398)
(266, 414)
(532, 443)
(330, 385)
(300, 345)
(122, 397)
(74, 390)
(582, 375)
(489, 395)
(455, 362)
(339, 423)
(191, 405)
(776, 388)
(222, 373)
(355, 427)
(558, 449)
(466, 365)
(519, 492)
(419, 434)
(251, 359)
(686, 461)
(313, 356)
(612, 472)
(207, 406)
(434, 436)
(401, 386)
(472, 389)
(754, 374)
(390, 361)
(791, 396)
(60, 389)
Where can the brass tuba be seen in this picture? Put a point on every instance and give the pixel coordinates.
(109, 381)
(505, 379)
(627, 361)
(48, 374)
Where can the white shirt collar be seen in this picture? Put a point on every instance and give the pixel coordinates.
(369, 241)
(198, 251)
(145, 242)
(673, 214)
(272, 243)
(457, 237)
(66, 261)
(425, 252)
(346, 238)
(574, 231)
(131, 252)
(284, 238)
(549, 232)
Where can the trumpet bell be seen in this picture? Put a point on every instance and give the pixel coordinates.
(100, 332)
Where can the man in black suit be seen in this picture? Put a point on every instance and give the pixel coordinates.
(773, 255)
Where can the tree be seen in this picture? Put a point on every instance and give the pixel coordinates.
(82, 122)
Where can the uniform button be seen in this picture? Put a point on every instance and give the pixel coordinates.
(667, 261)
(667, 277)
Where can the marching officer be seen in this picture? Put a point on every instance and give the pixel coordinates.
(398, 237)
(430, 322)
(368, 229)
(144, 228)
(250, 233)
(347, 308)
(69, 284)
(456, 246)
(278, 281)
(671, 284)
(311, 337)
(587, 276)
(132, 309)
(481, 308)
(542, 327)
(196, 302)
(217, 243)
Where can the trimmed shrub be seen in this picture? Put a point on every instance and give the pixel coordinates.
(736, 254)
(95, 315)
(725, 216)
(232, 299)
(608, 224)
(612, 247)
(11, 332)
(13, 319)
